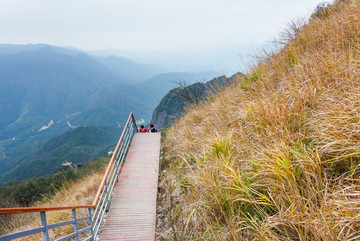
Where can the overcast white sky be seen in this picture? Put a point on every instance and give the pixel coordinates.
(147, 25)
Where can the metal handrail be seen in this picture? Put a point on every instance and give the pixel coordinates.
(101, 201)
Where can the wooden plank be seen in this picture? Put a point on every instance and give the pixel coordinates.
(132, 214)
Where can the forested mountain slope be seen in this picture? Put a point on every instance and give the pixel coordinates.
(276, 157)
(77, 146)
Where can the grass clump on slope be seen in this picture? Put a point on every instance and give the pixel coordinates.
(277, 157)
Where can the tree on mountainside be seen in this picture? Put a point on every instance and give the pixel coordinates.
(290, 31)
(321, 10)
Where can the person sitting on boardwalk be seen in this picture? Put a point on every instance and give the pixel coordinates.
(143, 129)
(152, 128)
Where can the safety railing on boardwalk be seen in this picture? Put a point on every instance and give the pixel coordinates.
(96, 211)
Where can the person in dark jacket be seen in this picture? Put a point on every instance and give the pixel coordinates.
(152, 128)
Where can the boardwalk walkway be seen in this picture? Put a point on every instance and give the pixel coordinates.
(132, 214)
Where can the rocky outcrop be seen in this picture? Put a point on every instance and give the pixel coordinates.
(174, 103)
(68, 165)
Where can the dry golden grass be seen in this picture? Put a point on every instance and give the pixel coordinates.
(80, 193)
(277, 157)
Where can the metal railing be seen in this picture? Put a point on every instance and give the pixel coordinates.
(100, 205)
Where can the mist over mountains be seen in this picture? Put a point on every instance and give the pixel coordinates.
(46, 91)
(127, 69)
(228, 61)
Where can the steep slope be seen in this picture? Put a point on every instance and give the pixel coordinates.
(277, 157)
(172, 106)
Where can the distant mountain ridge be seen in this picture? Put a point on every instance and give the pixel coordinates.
(9, 49)
(128, 69)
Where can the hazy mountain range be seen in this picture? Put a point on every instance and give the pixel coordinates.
(226, 60)
(47, 90)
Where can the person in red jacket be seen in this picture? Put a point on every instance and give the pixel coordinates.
(143, 129)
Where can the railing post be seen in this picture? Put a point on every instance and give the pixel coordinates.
(116, 170)
(44, 224)
(75, 225)
(91, 225)
(106, 196)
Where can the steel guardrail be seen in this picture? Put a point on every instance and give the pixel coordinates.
(98, 208)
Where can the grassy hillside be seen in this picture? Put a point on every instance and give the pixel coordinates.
(277, 157)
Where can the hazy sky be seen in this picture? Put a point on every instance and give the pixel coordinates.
(147, 25)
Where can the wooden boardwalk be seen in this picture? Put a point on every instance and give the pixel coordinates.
(132, 214)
